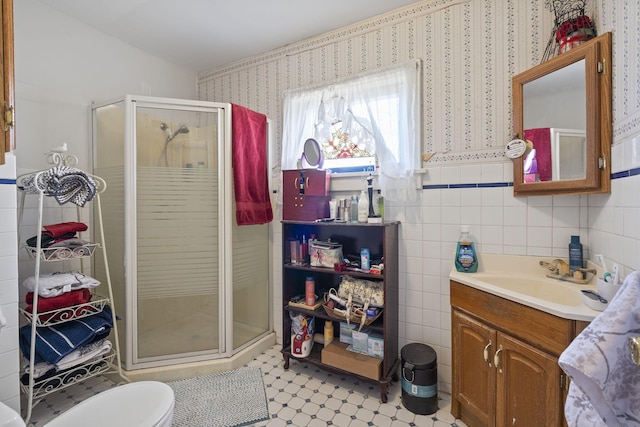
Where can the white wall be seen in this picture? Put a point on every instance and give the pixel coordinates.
(9, 391)
(470, 51)
(61, 66)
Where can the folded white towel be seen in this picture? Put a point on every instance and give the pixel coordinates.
(52, 285)
(605, 381)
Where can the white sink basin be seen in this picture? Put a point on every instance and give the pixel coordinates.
(542, 288)
(523, 280)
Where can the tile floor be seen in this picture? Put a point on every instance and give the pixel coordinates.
(304, 396)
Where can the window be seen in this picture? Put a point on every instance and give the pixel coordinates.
(362, 124)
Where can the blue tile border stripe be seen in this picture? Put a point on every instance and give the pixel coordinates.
(7, 181)
(479, 185)
(625, 174)
(616, 175)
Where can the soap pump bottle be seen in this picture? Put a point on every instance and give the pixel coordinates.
(576, 261)
(466, 258)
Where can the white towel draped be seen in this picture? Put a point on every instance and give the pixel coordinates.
(605, 383)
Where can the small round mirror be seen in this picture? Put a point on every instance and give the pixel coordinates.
(312, 153)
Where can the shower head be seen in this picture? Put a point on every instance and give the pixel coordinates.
(181, 129)
(171, 135)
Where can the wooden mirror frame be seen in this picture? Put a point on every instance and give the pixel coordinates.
(598, 68)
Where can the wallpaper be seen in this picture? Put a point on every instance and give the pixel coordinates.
(469, 49)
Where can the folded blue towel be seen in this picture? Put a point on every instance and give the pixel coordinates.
(55, 342)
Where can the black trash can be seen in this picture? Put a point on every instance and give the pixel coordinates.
(419, 378)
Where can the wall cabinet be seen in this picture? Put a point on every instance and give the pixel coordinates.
(505, 361)
(382, 241)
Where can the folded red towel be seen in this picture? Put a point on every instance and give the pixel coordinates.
(249, 155)
(68, 299)
(55, 230)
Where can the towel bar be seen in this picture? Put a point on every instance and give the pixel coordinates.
(634, 349)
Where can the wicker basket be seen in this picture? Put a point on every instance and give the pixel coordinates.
(355, 318)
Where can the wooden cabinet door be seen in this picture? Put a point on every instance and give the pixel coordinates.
(474, 378)
(528, 385)
(7, 76)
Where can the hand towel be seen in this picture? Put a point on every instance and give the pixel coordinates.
(249, 156)
(64, 183)
(541, 139)
(605, 382)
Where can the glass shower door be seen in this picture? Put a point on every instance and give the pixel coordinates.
(177, 288)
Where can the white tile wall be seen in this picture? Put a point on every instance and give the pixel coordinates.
(9, 356)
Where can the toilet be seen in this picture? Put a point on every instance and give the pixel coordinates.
(139, 404)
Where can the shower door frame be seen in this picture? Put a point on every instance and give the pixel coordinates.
(225, 272)
(130, 104)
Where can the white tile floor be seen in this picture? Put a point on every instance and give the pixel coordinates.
(304, 395)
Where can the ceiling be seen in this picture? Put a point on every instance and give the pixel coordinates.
(201, 35)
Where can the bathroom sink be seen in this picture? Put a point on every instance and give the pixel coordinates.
(537, 287)
(521, 279)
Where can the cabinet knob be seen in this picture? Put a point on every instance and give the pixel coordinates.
(486, 353)
(496, 359)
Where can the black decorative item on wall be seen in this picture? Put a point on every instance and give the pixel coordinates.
(571, 28)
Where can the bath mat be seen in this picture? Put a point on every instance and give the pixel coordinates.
(225, 399)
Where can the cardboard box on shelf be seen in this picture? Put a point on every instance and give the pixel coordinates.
(336, 354)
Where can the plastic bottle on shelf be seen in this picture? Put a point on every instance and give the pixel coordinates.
(354, 209)
(310, 291)
(466, 258)
(363, 207)
(365, 260)
(328, 331)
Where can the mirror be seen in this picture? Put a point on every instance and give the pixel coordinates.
(311, 155)
(562, 108)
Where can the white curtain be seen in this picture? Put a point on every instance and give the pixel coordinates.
(382, 106)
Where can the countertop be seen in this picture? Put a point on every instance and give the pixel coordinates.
(524, 281)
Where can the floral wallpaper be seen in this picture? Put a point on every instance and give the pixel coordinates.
(470, 49)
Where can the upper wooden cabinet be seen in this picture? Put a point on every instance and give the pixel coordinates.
(7, 90)
(562, 107)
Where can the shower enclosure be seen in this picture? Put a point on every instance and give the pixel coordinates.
(189, 284)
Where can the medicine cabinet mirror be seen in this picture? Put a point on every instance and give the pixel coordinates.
(562, 108)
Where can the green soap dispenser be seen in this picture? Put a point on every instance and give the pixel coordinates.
(466, 258)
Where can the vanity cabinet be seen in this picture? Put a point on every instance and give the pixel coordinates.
(382, 241)
(505, 361)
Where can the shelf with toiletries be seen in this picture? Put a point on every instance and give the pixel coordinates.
(66, 338)
(328, 254)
